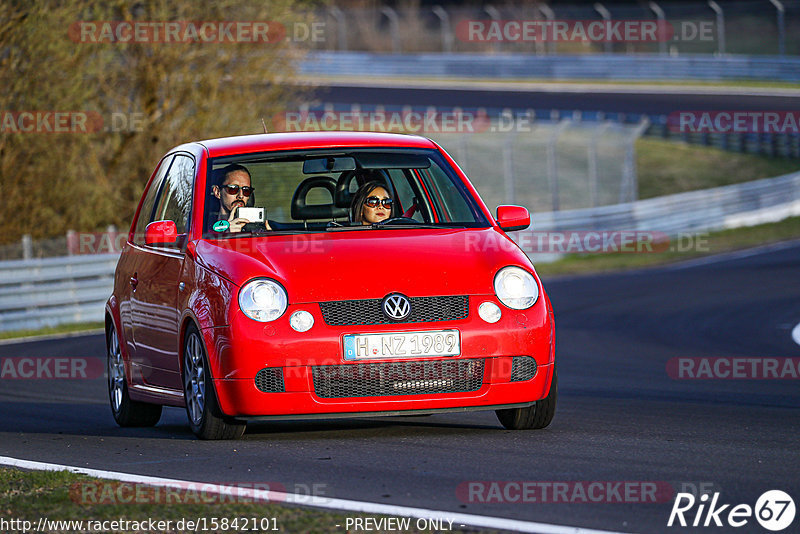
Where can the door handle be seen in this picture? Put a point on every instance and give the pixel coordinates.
(134, 282)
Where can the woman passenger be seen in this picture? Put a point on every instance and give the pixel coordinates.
(371, 204)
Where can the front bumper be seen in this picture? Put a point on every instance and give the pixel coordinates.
(239, 351)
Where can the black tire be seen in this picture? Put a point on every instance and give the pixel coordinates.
(205, 418)
(126, 412)
(536, 416)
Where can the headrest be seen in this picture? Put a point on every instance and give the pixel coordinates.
(343, 197)
(302, 211)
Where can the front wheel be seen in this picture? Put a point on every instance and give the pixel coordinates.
(538, 415)
(126, 412)
(205, 417)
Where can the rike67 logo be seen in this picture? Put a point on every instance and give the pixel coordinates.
(774, 510)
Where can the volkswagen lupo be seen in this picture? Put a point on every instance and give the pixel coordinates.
(247, 291)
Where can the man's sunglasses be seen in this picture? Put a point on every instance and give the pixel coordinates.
(374, 202)
(233, 189)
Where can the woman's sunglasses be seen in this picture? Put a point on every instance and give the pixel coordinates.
(374, 202)
(233, 189)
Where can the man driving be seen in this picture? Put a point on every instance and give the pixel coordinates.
(233, 192)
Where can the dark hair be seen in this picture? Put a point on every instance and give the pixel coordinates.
(220, 174)
(361, 195)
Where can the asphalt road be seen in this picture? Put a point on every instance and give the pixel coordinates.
(620, 415)
(632, 100)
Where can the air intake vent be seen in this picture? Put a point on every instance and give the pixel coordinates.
(270, 380)
(522, 368)
(398, 378)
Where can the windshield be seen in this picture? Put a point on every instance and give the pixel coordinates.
(341, 190)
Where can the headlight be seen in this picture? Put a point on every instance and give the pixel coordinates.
(262, 300)
(516, 288)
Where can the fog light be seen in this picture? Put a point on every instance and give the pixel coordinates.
(302, 321)
(489, 312)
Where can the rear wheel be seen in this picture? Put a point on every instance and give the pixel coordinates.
(205, 417)
(126, 411)
(537, 415)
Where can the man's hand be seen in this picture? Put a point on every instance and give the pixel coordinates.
(236, 223)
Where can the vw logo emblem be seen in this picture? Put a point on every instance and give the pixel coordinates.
(396, 306)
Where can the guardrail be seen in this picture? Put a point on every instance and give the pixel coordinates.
(49, 291)
(527, 66)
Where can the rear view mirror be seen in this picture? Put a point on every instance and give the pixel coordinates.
(329, 164)
(511, 218)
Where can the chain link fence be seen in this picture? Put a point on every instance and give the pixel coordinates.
(550, 165)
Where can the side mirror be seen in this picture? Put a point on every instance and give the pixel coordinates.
(161, 233)
(511, 218)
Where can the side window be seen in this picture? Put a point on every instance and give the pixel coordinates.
(149, 201)
(175, 201)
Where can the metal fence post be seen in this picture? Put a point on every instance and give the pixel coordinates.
(394, 27)
(606, 14)
(592, 160)
(341, 27)
(630, 187)
(550, 15)
(447, 34)
(552, 161)
(662, 26)
(27, 247)
(781, 27)
(494, 14)
(720, 26)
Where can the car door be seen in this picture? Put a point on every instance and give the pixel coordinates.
(158, 275)
(129, 264)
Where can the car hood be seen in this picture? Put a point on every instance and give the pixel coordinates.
(363, 264)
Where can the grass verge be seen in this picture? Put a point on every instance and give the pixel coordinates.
(64, 496)
(669, 167)
(50, 330)
(685, 248)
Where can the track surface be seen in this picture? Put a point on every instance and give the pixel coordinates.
(620, 417)
(595, 99)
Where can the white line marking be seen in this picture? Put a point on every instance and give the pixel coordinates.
(796, 334)
(318, 502)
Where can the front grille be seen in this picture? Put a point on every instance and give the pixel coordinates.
(270, 380)
(397, 378)
(522, 368)
(368, 311)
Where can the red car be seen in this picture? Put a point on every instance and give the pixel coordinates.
(326, 274)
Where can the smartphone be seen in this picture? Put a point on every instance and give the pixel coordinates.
(251, 214)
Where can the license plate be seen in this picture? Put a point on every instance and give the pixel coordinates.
(402, 345)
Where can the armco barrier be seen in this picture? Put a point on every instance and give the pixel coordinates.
(36, 293)
(51, 291)
(556, 67)
(730, 206)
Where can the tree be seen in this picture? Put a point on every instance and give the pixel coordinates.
(128, 102)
